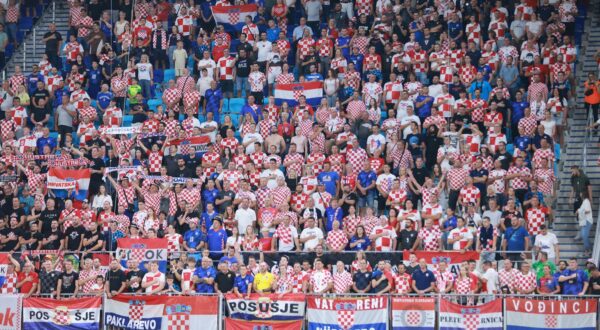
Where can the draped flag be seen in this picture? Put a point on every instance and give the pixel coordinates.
(233, 324)
(533, 314)
(134, 312)
(290, 307)
(458, 317)
(290, 93)
(63, 180)
(197, 144)
(10, 311)
(143, 250)
(184, 312)
(412, 313)
(233, 17)
(452, 258)
(52, 314)
(347, 313)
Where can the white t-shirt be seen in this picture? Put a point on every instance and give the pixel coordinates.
(491, 275)
(494, 216)
(547, 243)
(244, 218)
(213, 134)
(312, 243)
(272, 183)
(264, 47)
(386, 181)
(250, 136)
(407, 120)
(209, 64)
(149, 277)
(203, 84)
(144, 70)
(375, 142)
(464, 235)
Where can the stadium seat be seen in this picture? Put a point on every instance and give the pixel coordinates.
(54, 135)
(266, 100)
(94, 104)
(127, 119)
(510, 148)
(235, 105)
(25, 23)
(168, 75)
(234, 44)
(225, 108)
(154, 103)
(158, 76)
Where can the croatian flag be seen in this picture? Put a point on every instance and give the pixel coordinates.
(51, 314)
(533, 314)
(134, 312)
(143, 250)
(233, 17)
(345, 314)
(63, 181)
(458, 317)
(290, 93)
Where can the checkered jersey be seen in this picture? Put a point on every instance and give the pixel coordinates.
(361, 43)
(90, 274)
(125, 195)
(506, 51)
(428, 193)
(253, 178)
(320, 279)
(339, 65)
(391, 126)
(118, 85)
(298, 200)
(543, 154)
(478, 112)
(226, 65)
(342, 282)
(295, 167)
(350, 224)
(535, 218)
(569, 53)
(317, 143)
(473, 32)
(264, 128)
(402, 283)
(455, 57)
(325, 47)
(7, 125)
(284, 234)
(186, 84)
(519, 182)
(456, 178)
(385, 242)
(10, 284)
(337, 240)
(356, 157)
(316, 160)
(371, 90)
(545, 179)
(234, 177)
(419, 60)
(436, 120)
(184, 24)
(35, 180)
(298, 280)
(353, 80)
(499, 27)
(430, 238)
(374, 59)
(467, 74)
(508, 278)
(364, 7)
(370, 222)
(567, 11)
(83, 32)
(258, 159)
(191, 100)
(285, 78)
(280, 195)
(463, 285)
(528, 124)
(191, 196)
(85, 130)
(525, 282)
(257, 81)
(442, 279)
(304, 46)
(397, 197)
(500, 183)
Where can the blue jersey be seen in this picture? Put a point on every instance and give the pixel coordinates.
(207, 219)
(104, 99)
(243, 283)
(205, 273)
(362, 246)
(366, 178)
(329, 179)
(209, 196)
(193, 238)
(574, 286)
(216, 240)
(331, 215)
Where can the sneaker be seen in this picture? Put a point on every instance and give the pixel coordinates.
(577, 238)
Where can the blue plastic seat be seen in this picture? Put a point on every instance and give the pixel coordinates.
(154, 103)
(158, 76)
(225, 105)
(127, 120)
(25, 23)
(510, 149)
(235, 105)
(54, 135)
(169, 74)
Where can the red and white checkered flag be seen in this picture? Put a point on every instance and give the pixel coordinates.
(137, 254)
(551, 321)
(136, 310)
(345, 315)
(178, 322)
(61, 316)
(471, 321)
(234, 16)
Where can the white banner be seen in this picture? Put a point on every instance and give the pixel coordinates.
(121, 130)
(10, 311)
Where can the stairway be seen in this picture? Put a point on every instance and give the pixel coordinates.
(573, 152)
(32, 48)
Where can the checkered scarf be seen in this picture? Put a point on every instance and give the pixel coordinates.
(163, 39)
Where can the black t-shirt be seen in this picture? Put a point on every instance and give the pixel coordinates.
(75, 235)
(116, 279)
(54, 244)
(407, 239)
(10, 233)
(39, 95)
(46, 218)
(52, 44)
(242, 67)
(48, 281)
(27, 235)
(135, 286)
(224, 205)
(88, 235)
(225, 281)
(351, 197)
(594, 280)
(245, 46)
(68, 282)
(382, 285)
(505, 158)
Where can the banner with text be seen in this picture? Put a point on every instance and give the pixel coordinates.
(233, 324)
(52, 314)
(457, 317)
(532, 314)
(143, 250)
(412, 313)
(10, 311)
(347, 313)
(134, 312)
(452, 258)
(289, 307)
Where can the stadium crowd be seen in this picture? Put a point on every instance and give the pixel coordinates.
(437, 131)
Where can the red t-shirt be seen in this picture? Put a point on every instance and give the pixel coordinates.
(264, 244)
(26, 288)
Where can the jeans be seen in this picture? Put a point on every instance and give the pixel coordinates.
(331, 100)
(584, 231)
(146, 88)
(241, 85)
(368, 200)
(11, 31)
(422, 78)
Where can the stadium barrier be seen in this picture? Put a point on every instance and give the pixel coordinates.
(298, 311)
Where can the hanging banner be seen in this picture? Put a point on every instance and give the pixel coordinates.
(134, 312)
(190, 312)
(413, 313)
(452, 258)
(197, 144)
(143, 250)
(458, 317)
(347, 313)
(550, 314)
(290, 307)
(121, 130)
(78, 180)
(272, 259)
(290, 93)
(52, 314)
(233, 324)
(10, 311)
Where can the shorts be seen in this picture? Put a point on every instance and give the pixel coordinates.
(274, 71)
(227, 86)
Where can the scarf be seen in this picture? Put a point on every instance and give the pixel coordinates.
(163, 39)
